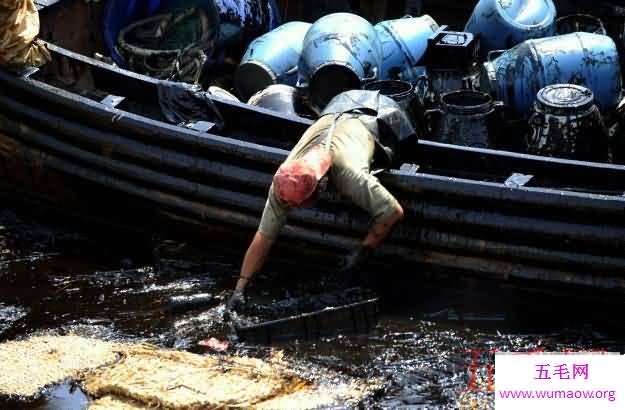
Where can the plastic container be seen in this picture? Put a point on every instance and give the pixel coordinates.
(341, 51)
(465, 118)
(574, 23)
(403, 44)
(503, 24)
(402, 92)
(586, 59)
(271, 59)
(566, 123)
(355, 318)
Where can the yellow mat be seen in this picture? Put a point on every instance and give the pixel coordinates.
(116, 403)
(131, 376)
(181, 380)
(30, 365)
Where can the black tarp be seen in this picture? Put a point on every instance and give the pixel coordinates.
(183, 103)
(383, 117)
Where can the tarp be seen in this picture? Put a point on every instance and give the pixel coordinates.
(19, 27)
(183, 103)
(382, 115)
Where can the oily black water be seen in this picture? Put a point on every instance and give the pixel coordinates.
(116, 286)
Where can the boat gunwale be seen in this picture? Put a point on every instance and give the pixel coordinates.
(407, 181)
(307, 122)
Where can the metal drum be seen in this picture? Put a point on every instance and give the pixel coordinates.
(271, 59)
(465, 118)
(404, 42)
(502, 24)
(566, 123)
(278, 97)
(585, 59)
(341, 50)
(574, 23)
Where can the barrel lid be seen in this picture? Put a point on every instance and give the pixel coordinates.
(566, 97)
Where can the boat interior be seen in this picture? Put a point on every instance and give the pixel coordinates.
(82, 67)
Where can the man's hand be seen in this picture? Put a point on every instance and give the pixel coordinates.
(235, 304)
(355, 260)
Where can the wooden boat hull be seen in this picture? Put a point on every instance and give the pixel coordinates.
(79, 153)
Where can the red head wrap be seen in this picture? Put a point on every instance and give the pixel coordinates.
(297, 180)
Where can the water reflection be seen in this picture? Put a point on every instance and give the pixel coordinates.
(430, 328)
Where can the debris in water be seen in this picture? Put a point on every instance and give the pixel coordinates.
(9, 315)
(216, 345)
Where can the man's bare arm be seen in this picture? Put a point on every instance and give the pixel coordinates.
(254, 259)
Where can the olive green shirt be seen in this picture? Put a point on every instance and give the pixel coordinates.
(351, 146)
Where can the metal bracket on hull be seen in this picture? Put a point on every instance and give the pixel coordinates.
(27, 71)
(42, 4)
(201, 126)
(409, 169)
(517, 180)
(112, 101)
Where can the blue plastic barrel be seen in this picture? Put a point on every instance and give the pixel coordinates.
(341, 51)
(503, 24)
(403, 44)
(271, 59)
(586, 59)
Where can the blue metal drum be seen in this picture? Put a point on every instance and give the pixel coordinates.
(586, 59)
(503, 24)
(341, 50)
(271, 59)
(403, 43)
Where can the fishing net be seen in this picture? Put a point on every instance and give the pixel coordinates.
(19, 27)
(29, 365)
(171, 46)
